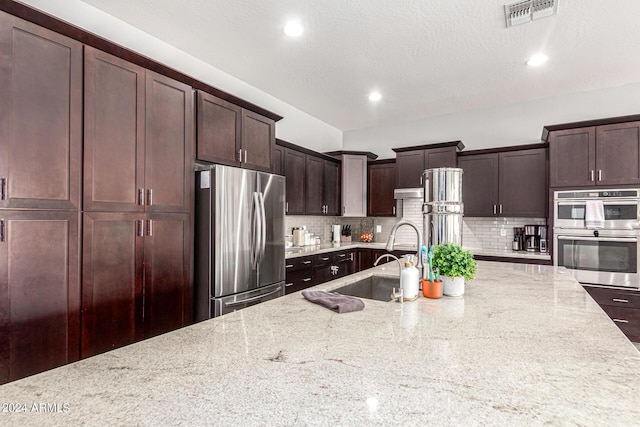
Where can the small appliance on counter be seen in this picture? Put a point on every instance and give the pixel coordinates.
(518, 239)
(543, 242)
(335, 233)
(531, 238)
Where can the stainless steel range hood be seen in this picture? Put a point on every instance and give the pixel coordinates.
(408, 193)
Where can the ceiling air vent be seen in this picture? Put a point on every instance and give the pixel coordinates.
(526, 11)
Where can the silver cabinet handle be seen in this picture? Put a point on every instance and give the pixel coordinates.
(3, 188)
(240, 154)
(325, 259)
(344, 210)
(3, 237)
(245, 156)
(149, 197)
(394, 210)
(289, 266)
(286, 207)
(286, 285)
(306, 262)
(500, 209)
(620, 320)
(619, 300)
(140, 228)
(342, 255)
(141, 196)
(149, 227)
(495, 210)
(307, 279)
(599, 174)
(593, 178)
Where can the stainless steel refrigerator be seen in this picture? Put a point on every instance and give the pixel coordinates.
(239, 239)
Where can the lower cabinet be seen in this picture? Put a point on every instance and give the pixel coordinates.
(304, 272)
(622, 306)
(136, 278)
(39, 291)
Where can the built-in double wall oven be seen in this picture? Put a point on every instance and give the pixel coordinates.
(607, 255)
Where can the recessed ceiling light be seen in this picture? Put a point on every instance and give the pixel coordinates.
(537, 59)
(375, 96)
(293, 29)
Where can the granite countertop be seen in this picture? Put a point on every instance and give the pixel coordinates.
(330, 247)
(525, 345)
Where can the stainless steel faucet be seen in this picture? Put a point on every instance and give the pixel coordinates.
(388, 256)
(392, 239)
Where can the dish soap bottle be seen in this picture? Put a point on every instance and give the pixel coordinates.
(410, 280)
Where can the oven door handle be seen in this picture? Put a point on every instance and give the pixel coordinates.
(599, 239)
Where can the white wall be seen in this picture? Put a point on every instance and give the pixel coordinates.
(296, 126)
(506, 125)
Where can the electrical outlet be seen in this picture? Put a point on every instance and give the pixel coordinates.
(503, 232)
(378, 229)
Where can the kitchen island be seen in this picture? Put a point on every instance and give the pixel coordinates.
(526, 345)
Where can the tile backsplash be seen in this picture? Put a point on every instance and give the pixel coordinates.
(477, 233)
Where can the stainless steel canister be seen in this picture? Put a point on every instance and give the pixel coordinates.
(442, 185)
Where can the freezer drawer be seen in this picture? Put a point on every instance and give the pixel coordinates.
(228, 304)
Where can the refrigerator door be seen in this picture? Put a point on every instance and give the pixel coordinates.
(271, 267)
(236, 231)
(228, 304)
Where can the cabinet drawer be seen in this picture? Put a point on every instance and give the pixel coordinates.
(614, 297)
(299, 280)
(293, 264)
(344, 256)
(321, 260)
(627, 319)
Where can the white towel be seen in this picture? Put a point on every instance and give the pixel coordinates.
(594, 214)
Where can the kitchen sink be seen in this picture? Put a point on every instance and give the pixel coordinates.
(373, 287)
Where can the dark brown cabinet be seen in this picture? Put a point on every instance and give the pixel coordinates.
(135, 278)
(231, 135)
(278, 160)
(39, 291)
(511, 183)
(298, 274)
(596, 155)
(410, 163)
(381, 183)
(41, 117)
(295, 172)
(322, 186)
(138, 138)
(622, 306)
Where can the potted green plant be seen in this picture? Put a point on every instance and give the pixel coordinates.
(454, 265)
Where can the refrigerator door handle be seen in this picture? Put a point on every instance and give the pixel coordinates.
(252, 299)
(263, 240)
(257, 230)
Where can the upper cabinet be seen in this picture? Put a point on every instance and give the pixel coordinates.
(231, 135)
(322, 186)
(41, 117)
(138, 138)
(353, 176)
(602, 155)
(412, 161)
(294, 172)
(381, 183)
(509, 184)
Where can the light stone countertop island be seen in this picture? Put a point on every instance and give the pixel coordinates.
(525, 345)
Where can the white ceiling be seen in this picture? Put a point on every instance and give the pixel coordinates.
(427, 57)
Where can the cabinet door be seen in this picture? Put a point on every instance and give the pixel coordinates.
(445, 157)
(167, 283)
(295, 173)
(354, 185)
(618, 154)
(258, 139)
(168, 145)
(278, 160)
(365, 259)
(39, 291)
(409, 168)
(479, 184)
(523, 183)
(331, 188)
(572, 156)
(314, 184)
(113, 133)
(218, 124)
(41, 117)
(112, 276)
(380, 189)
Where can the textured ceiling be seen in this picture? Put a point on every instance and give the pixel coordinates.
(427, 58)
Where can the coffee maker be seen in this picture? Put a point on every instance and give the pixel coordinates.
(531, 238)
(543, 239)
